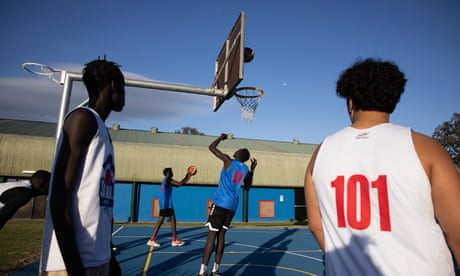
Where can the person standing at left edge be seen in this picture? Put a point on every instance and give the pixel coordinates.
(78, 222)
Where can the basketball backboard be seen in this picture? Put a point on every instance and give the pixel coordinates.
(229, 67)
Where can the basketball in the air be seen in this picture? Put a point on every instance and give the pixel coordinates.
(248, 54)
(192, 170)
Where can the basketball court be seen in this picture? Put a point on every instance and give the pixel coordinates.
(286, 251)
(248, 251)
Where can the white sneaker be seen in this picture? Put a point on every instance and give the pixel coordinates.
(177, 243)
(153, 243)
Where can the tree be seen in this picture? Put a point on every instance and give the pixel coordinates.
(448, 134)
(189, 130)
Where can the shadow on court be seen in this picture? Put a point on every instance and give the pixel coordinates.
(248, 251)
(265, 251)
(274, 250)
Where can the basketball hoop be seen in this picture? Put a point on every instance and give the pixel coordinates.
(249, 98)
(42, 70)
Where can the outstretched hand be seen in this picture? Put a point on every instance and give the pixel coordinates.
(253, 164)
(223, 136)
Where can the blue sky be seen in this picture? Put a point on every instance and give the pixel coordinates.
(300, 47)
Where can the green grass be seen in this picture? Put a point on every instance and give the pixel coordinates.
(20, 240)
(20, 244)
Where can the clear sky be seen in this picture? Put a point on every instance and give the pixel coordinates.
(301, 47)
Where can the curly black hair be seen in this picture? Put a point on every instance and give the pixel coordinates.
(99, 73)
(372, 85)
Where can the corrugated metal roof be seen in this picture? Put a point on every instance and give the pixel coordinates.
(45, 129)
(141, 155)
(31, 128)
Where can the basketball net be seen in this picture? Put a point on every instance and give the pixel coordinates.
(249, 98)
(43, 70)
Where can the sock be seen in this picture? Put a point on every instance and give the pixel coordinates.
(174, 238)
(215, 268)
(203, 269)
(152, 238)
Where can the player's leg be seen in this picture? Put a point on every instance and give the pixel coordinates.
(220, 246)
(172, 219)
(227, 220)
(208, 248)
(215, 222)
(152, 241)
(175, 241)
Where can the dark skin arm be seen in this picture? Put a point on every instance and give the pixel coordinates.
(179, 183)
(79, 128)
(228, 160)
(311, 199)
(13, 200)
(222, 156)
(249, 176)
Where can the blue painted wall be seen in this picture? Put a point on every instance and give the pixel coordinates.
(190, 203)
(122, 204)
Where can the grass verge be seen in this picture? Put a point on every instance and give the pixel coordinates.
(20, 244)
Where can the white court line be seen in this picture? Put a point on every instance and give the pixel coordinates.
(270, 249)
(116, 231)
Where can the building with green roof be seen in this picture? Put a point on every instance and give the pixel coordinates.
(141, 156)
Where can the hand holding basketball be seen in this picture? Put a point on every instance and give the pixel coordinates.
(192, 170)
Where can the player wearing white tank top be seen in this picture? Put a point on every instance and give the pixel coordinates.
(78, 221)
(381, 197)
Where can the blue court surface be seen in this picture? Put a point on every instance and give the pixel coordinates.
(286, 251)
(248, 251)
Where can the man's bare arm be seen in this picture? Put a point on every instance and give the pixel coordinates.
(445, 187)
(79, 128)
(311, 200)
(222, 156)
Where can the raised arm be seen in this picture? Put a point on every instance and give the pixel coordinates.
(222, 156)
(250, 175)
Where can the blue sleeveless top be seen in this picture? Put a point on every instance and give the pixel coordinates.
(166, 194)
(230, 182)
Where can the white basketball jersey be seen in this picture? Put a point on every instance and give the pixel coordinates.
(92, 209)
(376, 206)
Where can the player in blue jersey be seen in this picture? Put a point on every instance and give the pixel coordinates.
(234, 175)
(167, 208)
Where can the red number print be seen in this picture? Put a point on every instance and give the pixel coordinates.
(237, 177)
(357, 210)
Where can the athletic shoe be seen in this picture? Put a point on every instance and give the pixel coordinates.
(177, 243)
(153, 243)
(215, 273)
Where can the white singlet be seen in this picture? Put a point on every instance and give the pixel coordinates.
(376, 206)
(93, 206)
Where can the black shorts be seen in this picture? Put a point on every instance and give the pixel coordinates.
(167, 212)
(219, 218)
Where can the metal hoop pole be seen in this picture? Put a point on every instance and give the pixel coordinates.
(65, 100)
